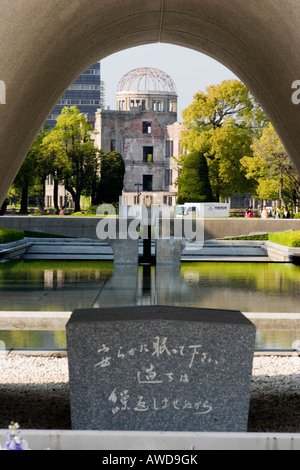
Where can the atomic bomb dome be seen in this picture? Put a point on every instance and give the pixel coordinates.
(145, 131)
(147, 88)
(147, 79)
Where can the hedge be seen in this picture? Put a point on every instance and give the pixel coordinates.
(8, 235)
(251, 237)
(291, 239)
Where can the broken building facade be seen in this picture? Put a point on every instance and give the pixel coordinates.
(145, 131)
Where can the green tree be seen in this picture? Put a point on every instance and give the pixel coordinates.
(221, 123)
(54, 160)
(74, 133)
(28, 175)
(112, 178)
(25, 178)
(66, 152)
(272, 170)
(194, 185)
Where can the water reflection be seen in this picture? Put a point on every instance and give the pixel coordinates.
(41, 340)
(64, 286)
(249, 287)
(51, 285)
(277, 339)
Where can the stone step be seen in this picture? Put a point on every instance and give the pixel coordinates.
(211, 250)
(74, 256)
(71, 250)
(54, 249)
(85, 249)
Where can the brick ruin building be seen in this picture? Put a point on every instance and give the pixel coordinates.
(145, 131)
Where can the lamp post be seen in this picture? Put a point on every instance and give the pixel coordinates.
(146, 257)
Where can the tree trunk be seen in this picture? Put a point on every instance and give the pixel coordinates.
(75, 195)
(40, 200)
(281, 188)
(77, 203)
(94, 194)
(55, 196)
(24, 200)
(3, 207)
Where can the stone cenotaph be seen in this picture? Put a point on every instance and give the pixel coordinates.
(160, 368)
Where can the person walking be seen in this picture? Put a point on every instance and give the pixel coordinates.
(277, 213)
(264, 213)
(249, 213)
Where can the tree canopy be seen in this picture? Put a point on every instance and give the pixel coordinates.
(272, 170)
(76, 151)
(220, 123)
(67, 153)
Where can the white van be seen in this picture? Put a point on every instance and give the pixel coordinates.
(205, 209)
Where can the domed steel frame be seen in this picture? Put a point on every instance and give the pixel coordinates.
(147, 79)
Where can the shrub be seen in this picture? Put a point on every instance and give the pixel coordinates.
(263, 236)
(194, 184)
(8, 235)
(237, 213)
(291, 239)
(91, 210)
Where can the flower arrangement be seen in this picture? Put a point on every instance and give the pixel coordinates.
(15, 440)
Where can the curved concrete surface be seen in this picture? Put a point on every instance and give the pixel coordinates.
(46, 45)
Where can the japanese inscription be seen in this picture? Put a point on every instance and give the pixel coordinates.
(149, 361)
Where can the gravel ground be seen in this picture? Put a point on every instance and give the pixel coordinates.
(34, 391)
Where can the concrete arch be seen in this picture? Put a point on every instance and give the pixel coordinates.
(44, 46)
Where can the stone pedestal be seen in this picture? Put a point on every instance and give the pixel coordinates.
(160, 369)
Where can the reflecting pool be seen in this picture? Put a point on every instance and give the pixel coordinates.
(249, 287)
(66, 285)
(51, 285)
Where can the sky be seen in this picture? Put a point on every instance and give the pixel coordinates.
(190, 70)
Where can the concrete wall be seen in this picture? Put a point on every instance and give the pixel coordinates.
(214, 228)
(85, 227)
(168, 249)
(125, 249)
